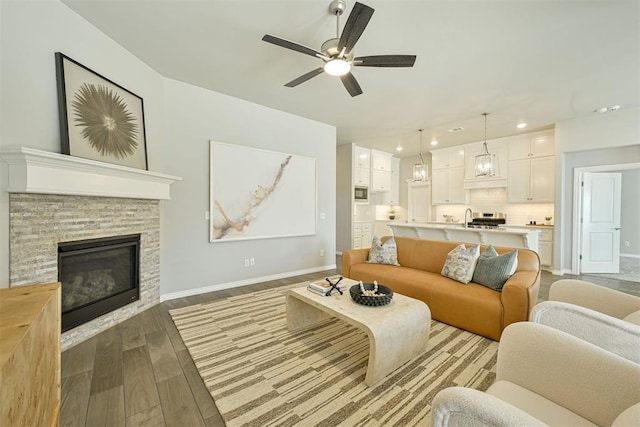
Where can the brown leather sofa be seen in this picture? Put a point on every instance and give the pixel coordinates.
(472, 307)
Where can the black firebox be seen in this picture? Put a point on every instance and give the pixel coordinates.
(97, 276)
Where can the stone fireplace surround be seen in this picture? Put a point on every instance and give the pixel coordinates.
(57, 198)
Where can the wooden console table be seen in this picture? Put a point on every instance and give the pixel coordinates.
(30, 355)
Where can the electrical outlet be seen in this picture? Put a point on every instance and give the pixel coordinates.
(246, 262)
(321, 252)
(626, 244)
(252, 261)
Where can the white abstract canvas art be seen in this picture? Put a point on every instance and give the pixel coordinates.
(259, 194)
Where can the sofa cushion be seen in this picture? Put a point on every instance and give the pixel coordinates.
(386, 253)
(493, 270)
(461, 262)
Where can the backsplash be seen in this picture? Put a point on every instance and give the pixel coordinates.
(495, 200)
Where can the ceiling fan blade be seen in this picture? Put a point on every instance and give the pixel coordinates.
(356, 23)
(293, 46)
(385, 61)
(351, 84)
(303, 78)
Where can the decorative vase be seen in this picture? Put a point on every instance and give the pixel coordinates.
(392, 216)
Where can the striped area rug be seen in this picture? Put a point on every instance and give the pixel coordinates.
(260, 374)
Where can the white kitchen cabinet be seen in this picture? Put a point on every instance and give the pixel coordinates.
(534, 145)
(419, 206)
(361, 176)
(448, 186)
(380, 181)
(392, 197)
(362, 235)
(381, 161)
(531, 180)
(447, 158)
(545, 247)
(362, 157)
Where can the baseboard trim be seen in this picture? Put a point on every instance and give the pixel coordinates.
(630, 255)
(245, 282)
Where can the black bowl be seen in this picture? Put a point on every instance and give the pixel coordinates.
(383, 298)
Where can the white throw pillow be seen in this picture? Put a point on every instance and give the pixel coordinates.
(460, 263)
(383, 254)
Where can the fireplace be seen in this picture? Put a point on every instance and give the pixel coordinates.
(97, 276)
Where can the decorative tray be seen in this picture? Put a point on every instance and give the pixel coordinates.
(382, 296)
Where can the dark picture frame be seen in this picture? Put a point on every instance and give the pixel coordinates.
(99, 119)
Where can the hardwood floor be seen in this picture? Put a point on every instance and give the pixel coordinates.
(139, 373)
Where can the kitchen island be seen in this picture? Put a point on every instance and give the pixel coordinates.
(502, 236)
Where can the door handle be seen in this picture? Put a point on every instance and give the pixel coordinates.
(616, 228)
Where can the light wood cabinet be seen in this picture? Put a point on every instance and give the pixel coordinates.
(531, 180)
(419, 206)
(30, 355)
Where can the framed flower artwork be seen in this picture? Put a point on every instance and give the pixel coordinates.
(99, 119)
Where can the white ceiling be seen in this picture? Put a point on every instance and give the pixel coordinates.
(535, 61)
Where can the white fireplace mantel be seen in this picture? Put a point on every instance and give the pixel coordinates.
(43, 172)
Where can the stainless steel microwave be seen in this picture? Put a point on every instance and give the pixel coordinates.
(361, 194)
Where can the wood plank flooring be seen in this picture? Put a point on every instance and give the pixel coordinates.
(139, 373)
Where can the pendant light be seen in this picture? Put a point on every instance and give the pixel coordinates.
(420, 169)
(484, 160)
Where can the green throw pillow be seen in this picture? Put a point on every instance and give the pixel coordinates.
(461, 263)
(383, 254)
(493, 270)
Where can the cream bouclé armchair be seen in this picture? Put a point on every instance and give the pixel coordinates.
(547, 377)
(595, 297)
(605, 317)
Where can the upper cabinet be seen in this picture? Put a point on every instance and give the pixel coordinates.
(528, 146)
(448, 176)
(380, 171)
(531, 174)
(392, 197)
(361, 169)
(447, 158)
(498, 150)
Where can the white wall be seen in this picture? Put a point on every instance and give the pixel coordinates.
(594, 140)
(30, 34)
(179, 120)
(193, 116)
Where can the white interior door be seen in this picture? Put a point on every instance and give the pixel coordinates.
(601, 222)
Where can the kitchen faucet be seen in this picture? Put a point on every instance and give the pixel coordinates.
(466, 224)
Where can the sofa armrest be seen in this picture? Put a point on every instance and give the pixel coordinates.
(568, 371)
(459, 406)
(607, 332)
(596, 297)
(351, 257)
(519, 296)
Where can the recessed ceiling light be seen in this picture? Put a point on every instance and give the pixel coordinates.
(398, 148)
(458, 129)
(521, 125)
(434, 142)
(607, 109)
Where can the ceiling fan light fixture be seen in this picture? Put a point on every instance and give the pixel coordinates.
(337, 67)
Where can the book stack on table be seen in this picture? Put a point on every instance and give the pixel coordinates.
(321, 287)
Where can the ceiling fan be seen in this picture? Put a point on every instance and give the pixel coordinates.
(337, 53)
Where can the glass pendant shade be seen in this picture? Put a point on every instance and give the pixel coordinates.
(484, 161)
(337, 67)
(419, 172)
